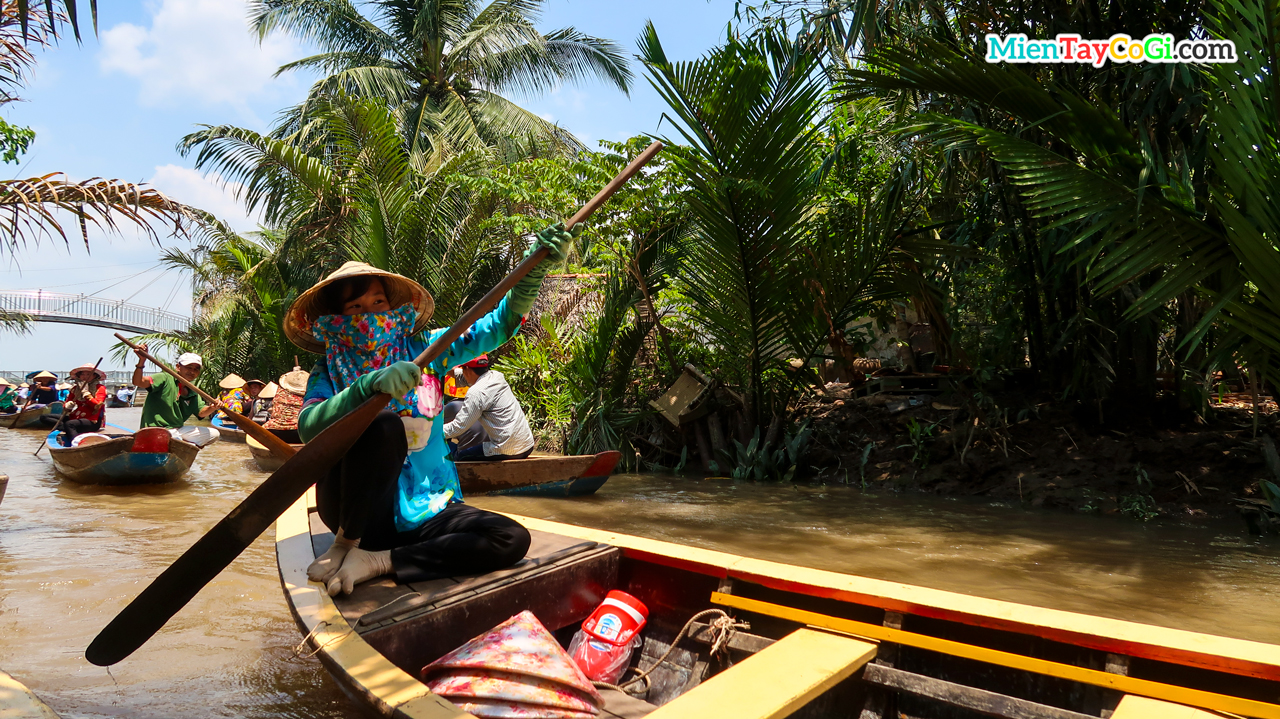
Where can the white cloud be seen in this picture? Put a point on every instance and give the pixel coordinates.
(207, 192)
(198, 50)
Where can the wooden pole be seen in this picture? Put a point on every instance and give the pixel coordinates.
(278, 446)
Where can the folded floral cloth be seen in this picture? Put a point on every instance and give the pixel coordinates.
(517, 670)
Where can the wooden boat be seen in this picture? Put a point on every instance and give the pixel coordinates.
(151, 456)
(267, 461)
(819, 644)
(19, 702)
(33, 417)
(574, 476)
(229, 431)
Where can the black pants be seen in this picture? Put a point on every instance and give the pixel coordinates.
(359, 496)
(73, 427)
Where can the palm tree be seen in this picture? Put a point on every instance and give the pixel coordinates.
(445, 66)
(1159, 230)
(770, 270)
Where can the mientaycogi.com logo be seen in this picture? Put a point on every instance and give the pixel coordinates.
(1120, 48)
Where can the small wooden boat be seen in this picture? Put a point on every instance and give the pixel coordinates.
(267, 461)
(574, 476)
(150, 456)
(19, 702)
(33, 418)
(229, 431)
(818, 644)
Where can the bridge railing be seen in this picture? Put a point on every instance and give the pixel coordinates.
(114, 377)
(85, 309)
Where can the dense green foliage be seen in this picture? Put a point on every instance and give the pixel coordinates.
(831, 168)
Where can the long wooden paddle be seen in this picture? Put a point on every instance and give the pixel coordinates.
(278, 447)
(175, 586)
(62, 417)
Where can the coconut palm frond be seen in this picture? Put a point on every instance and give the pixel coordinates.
(36, 208)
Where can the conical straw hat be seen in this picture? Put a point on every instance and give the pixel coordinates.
(306, 309)
(231, 381)
(5, 383)
(295, 381)
(46, 375)
(100, 374)
(269, 391)
(62, 386)
(520, 645)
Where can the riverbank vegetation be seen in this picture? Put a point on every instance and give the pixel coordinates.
(850, 194)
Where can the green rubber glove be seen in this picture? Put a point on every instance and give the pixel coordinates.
(556, 239)
(395, 380)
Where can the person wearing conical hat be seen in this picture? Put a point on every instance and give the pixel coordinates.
(85, 409)
(394, 502)
(42, 389)
(282, 419)
(239, 396)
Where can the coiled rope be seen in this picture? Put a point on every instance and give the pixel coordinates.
(723, 626)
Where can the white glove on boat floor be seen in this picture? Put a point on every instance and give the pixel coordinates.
(327, 564)
(359, 566)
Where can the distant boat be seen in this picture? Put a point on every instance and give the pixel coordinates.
(572, 476)
(229, 431)
(149, 456)
(33, 417)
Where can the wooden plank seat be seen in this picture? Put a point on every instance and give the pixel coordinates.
(776, 681)
(382, 602)
(561, 580)
(1136, 707)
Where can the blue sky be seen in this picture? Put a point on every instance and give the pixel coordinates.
(117, 105)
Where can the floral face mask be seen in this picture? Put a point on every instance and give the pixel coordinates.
(355, 345)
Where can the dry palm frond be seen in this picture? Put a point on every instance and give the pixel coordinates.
(29, 209)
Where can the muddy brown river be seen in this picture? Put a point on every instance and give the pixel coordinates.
(71, 556)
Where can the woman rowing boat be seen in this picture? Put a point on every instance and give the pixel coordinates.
(394, 502)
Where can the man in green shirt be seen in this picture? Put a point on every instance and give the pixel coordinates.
(168, 403)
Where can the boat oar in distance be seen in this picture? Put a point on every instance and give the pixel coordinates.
(175, 586)
(278, 447)
(63, 417)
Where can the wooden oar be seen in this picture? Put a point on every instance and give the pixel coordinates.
(175, 586)
(63, 417)
(278, 447)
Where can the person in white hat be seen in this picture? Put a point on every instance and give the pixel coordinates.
(85, 405)
(168, 403)
(394, 501)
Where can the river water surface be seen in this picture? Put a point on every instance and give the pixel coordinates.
(71, 556)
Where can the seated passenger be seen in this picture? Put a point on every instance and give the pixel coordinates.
(490, 402)
(240, 397)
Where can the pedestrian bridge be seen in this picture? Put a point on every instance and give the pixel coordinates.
(43, 306)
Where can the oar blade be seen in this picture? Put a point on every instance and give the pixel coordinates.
(176, 586)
